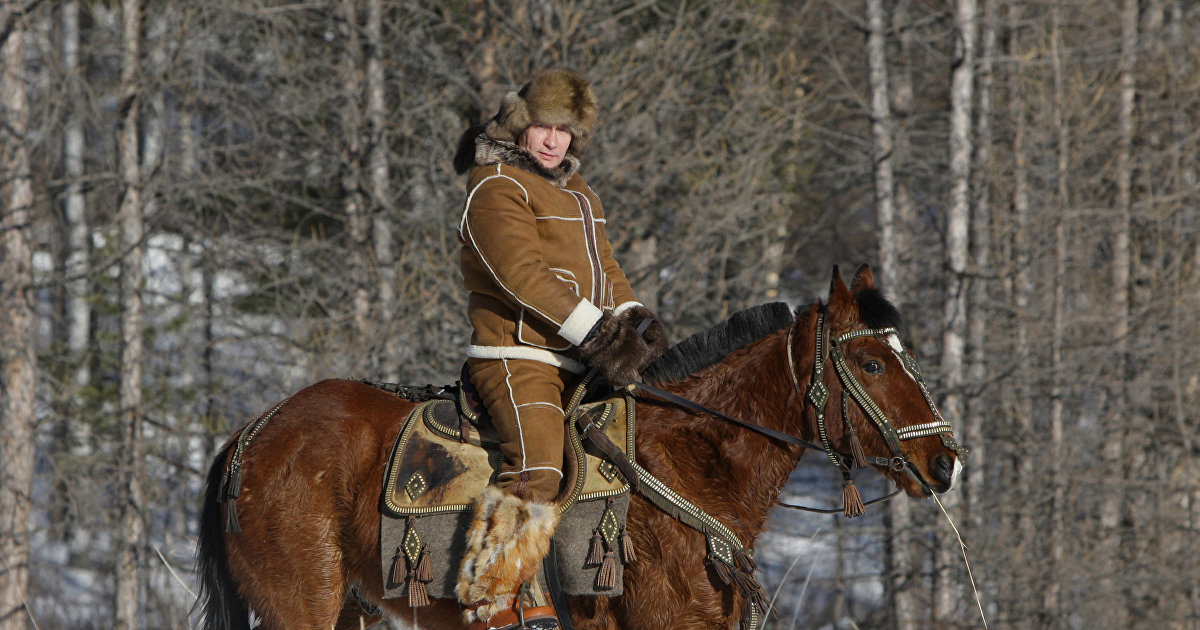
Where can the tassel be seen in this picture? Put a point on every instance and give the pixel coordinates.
(233, 485)
(424, 572)
(856, 450)
(628, 555)
(595, 550)
(232, 525)
(224, 487)
(744, 562)
(852, 504)
(397, 575)
(723, 571)
(606, 578)
(418, 594)
(746, 583)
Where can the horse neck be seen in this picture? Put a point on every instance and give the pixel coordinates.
(732, 472)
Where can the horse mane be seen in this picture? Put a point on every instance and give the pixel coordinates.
(877, 311)
(709, 347)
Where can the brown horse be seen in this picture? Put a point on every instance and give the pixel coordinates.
(308, 552)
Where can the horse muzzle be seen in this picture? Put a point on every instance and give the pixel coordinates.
(944, 472)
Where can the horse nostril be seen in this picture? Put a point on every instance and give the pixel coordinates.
(943, 468)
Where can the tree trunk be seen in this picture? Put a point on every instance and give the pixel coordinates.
(1052, 606)
(1120, 409)
(1020, 591)
(18, 358)
(358, 222)
(900, 564)
(79, 312)
(383, 211)
(900, 78)
(73, 434)
(882, 150)
(946, 586)
(981, 237)
(131, 533)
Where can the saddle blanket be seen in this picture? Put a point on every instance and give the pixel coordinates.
(440, 464)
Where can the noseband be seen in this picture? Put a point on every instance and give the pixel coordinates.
(818, 395)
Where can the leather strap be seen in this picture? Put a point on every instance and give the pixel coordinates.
(697, 407)
(596, 436)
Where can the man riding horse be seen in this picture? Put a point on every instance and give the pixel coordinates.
(546, 299)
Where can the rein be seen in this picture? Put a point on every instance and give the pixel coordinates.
(733, 561)
(757, 428)
(818, 394)
(692, 405)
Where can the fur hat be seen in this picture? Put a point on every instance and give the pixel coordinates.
(557, 97)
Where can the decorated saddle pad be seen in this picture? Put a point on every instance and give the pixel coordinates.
(440, 464)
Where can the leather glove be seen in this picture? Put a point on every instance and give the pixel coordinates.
(617, 350)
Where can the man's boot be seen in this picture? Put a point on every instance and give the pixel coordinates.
(506, 543)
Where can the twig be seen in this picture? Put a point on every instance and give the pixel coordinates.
(967, 563)
(30, 613)
(173, 573)
(782, 580)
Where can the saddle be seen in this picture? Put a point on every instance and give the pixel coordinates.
(448, 452)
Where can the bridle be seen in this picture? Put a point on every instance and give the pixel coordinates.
(733, 561)
(818, 394)
(830, 349)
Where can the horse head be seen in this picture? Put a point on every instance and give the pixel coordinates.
(876, 394)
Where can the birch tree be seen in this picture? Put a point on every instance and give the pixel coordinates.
(900, 566)
(75, 205)
(981, 236)
(881, 134)
(957, 243)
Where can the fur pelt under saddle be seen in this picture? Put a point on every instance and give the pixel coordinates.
(447, 454)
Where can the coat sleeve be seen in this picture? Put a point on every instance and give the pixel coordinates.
(623, 295)
(499, 226)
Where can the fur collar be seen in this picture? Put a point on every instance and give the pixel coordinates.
(489, 151)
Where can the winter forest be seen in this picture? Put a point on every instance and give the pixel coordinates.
(207, 205)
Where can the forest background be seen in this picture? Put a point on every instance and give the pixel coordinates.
(207, 205)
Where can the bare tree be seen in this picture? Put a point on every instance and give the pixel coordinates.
(131, 508)
(958, 221)
(900, 558)
(881, 132)
(18, 361)
(1055, 536)
(1112, 505)
(383, 208)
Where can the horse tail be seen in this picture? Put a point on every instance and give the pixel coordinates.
(223, 608)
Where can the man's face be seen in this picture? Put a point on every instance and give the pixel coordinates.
(547, 143)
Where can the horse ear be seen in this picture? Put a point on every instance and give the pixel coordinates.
(864, 279)
(837, 287)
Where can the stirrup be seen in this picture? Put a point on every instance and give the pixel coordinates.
(539, 618)
(519, 617)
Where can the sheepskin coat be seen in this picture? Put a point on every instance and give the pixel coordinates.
(534, 257)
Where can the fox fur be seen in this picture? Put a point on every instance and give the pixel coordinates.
(506, 542)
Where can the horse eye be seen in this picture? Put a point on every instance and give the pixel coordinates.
(873, 367)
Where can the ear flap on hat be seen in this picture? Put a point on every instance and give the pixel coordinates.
(512, 119)
(464, 156)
